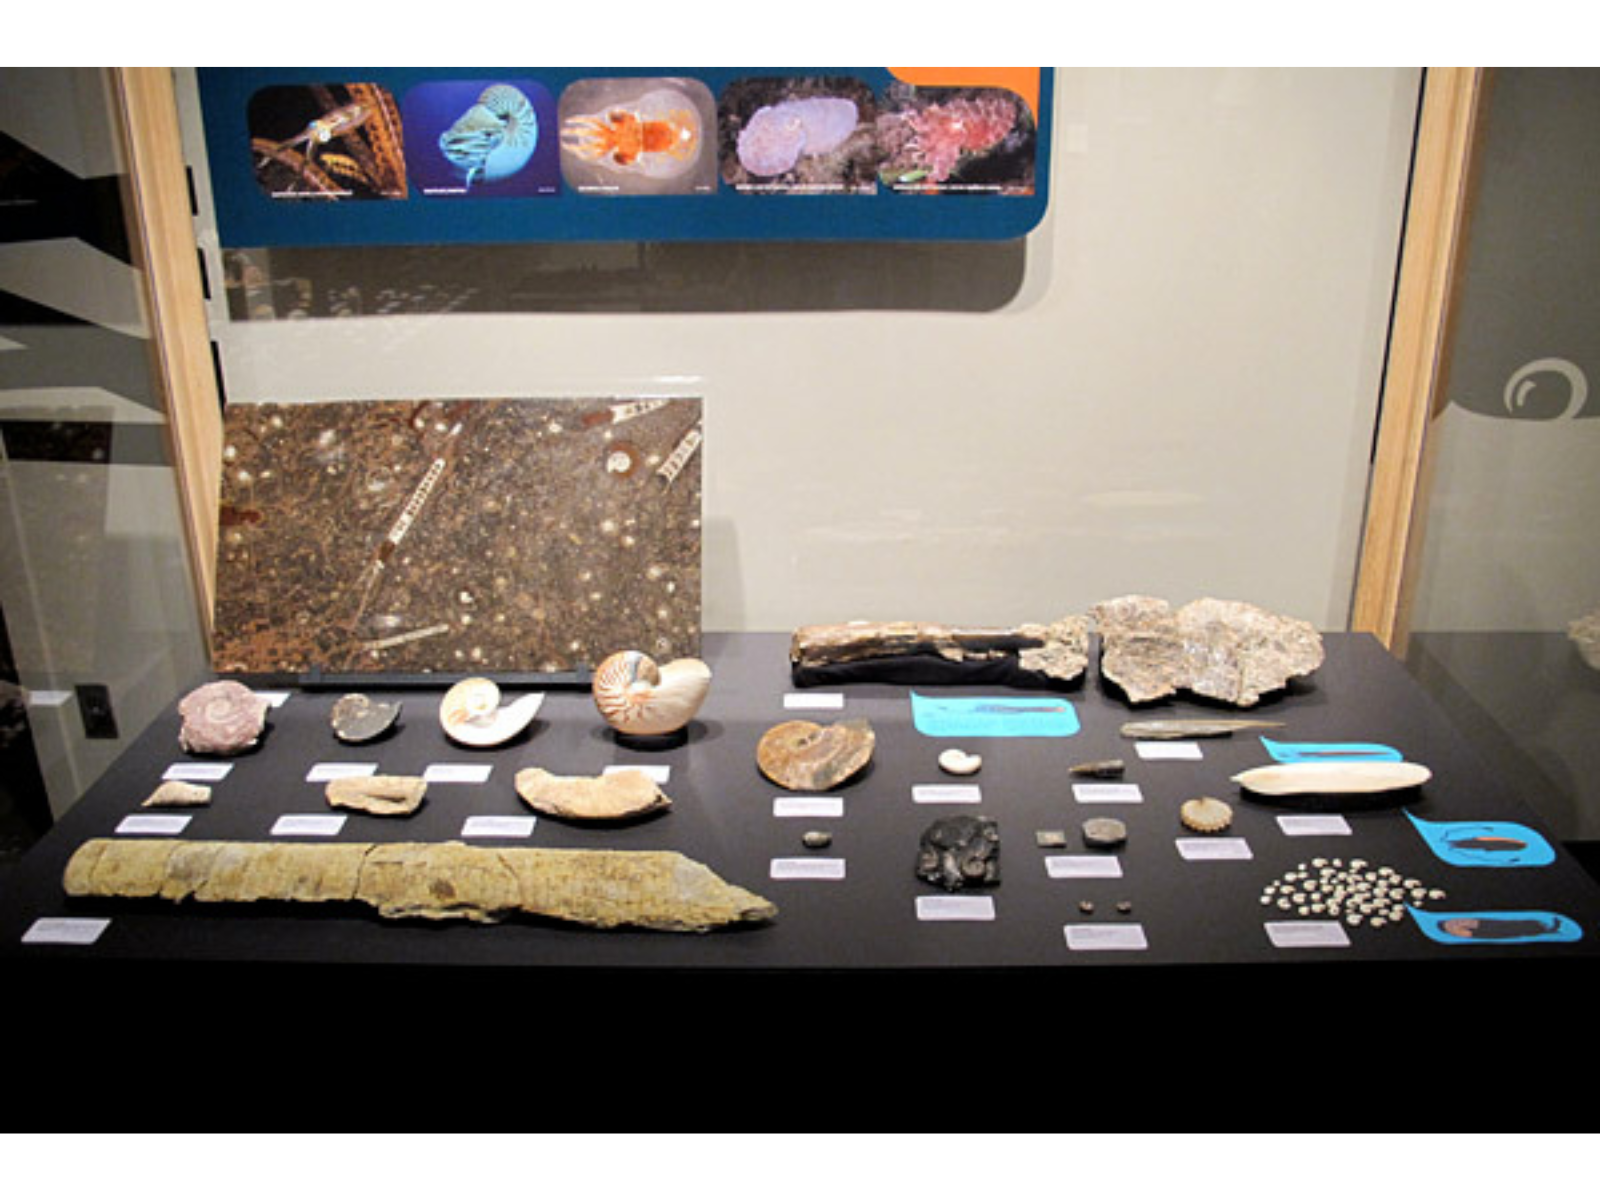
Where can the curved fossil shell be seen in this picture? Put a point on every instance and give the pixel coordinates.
(472, 715)
(803, 756)
(635, 696)
(223, 717)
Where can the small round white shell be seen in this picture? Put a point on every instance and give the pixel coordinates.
(959, 762)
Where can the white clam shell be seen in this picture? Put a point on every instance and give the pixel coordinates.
(959, 762)
(471, 713)
(635, 696)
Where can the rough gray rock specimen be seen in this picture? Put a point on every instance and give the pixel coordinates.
(1226, 650)
(1585, 634)
(652, 889)
(960, 852)
(1058, 650)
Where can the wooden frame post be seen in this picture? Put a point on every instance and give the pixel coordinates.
(163, 238)
(1431, 248)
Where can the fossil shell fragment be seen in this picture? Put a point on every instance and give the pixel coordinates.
(639, 698)
(615, 796)
(223, 717)
(651, 889)
(356, 718)
(1206, 814)
(960, 852)
(471, 713)
(379, 795)
(1105, 768)
(1333, 779)
(174, 793)
(803, 756)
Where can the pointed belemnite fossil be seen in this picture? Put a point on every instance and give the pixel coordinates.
(1170, 730)
(1333, 779)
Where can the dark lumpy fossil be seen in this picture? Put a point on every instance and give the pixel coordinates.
(960, 852)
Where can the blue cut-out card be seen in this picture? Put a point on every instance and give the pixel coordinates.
(993, 716)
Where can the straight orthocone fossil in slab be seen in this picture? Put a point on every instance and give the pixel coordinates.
(649, 889)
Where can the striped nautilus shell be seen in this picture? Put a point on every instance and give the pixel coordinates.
(471, 713)
(494, 138)
(635, 696)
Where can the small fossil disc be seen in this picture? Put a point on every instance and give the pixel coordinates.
(1204, 814)
(1102, 833)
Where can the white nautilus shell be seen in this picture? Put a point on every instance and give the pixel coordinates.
(635, 696)
(495, 138)
(471, 713)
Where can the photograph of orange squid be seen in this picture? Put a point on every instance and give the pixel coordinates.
(638, 137)
(337, 141)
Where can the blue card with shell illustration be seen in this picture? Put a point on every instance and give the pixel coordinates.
(993, 716)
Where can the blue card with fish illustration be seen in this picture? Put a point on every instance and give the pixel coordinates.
(1496, 928)
(993, 716)
(1295, 752)
(1485, 843)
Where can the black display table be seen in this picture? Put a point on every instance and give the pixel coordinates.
(1169, 901)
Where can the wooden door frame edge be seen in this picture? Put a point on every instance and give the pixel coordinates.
(162, 233)
(1448, 126)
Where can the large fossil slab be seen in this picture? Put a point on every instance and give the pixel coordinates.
(1053, 654)
(649, 889)
(484, 536)
(1226, 650)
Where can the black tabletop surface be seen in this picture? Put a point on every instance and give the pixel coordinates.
(1173, 908)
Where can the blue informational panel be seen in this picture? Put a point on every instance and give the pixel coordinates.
(404, 156)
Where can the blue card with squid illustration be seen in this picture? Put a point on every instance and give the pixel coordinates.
(1297, 752)
(1485, 843)
(993, 716)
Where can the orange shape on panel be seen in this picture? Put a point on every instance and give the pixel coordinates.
(1024, 81)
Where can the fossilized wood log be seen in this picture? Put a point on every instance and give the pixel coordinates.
(1059, 650)
(651, 889)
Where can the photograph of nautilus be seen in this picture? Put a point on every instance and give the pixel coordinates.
(342, 141)
(482, 138)
(638, 137)
(470, 537)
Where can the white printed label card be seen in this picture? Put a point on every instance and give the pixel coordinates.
(457, 772)
(813, 700)
(1313, 825)
(486, 826)
(807, 868)
(1107, 793)
(955, 908)
(1290, 935)
(308, 825)
(198, 772)
(1083, 866)
(322, 772)
(1121, 935)
(659, 772)
(66, 931)
(1156, 751)
(946, 793)
(162, 824)
(808, 806)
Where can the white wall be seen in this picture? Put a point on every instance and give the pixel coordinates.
(1175, 393)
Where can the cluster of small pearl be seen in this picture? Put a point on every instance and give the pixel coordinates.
(1356, 891)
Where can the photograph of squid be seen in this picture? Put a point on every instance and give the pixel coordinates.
(458, 536)
(327, 142)
(644, 136)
